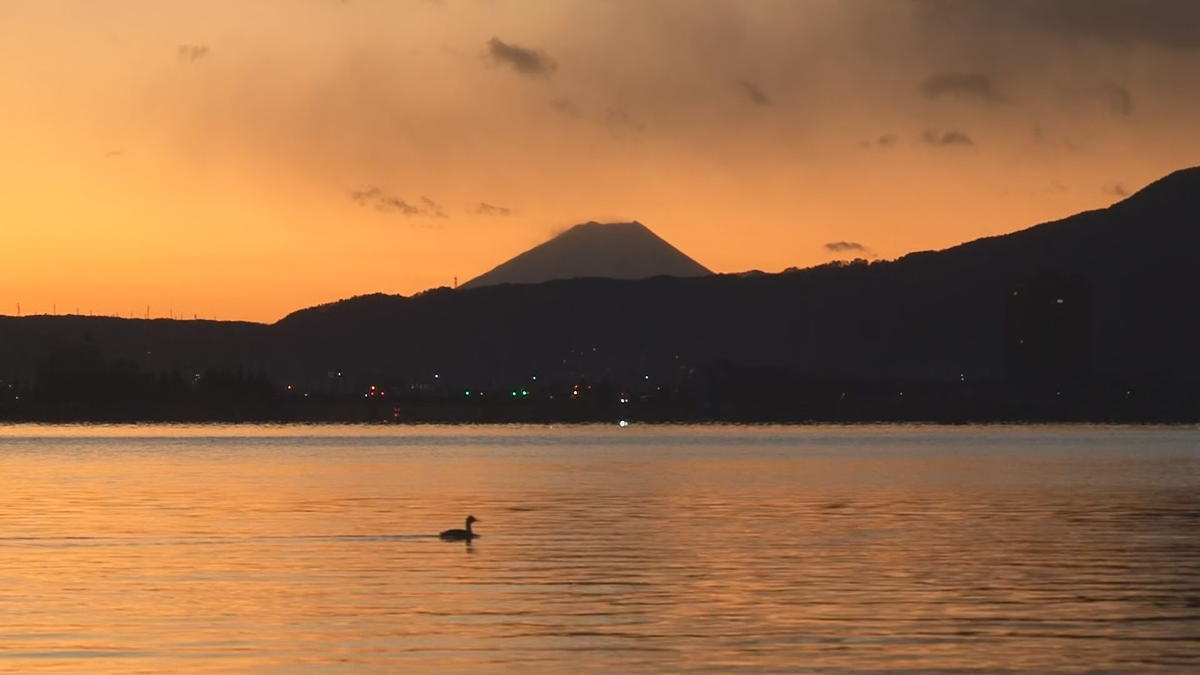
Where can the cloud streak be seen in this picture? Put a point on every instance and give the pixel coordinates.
(524, 60)
(1118, 98)
(948, 139)
(753, 93)
(376, 198)
(191, 53)
(485, 209)
(623, 125)
(884, 142)
(965, 85)
(846, 247)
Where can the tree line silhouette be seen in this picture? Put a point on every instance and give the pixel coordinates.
(77, 384)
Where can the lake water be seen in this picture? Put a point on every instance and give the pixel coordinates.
(605, 550)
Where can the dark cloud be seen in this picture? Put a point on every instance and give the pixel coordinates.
(485, 209)
(191, 53)
(972, 85)
(1116, 190)
(845, 247)
(1169, 24)
(114, 154)
(532, 62)
(756, 95)
(948, 139)
(1118, 98)
(383, 202)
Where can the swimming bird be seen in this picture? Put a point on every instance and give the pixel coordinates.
(461, 535)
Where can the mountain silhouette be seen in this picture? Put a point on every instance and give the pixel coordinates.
(599, 250)
(936, 316)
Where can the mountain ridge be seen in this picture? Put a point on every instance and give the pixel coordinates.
(928, 315)
(932, 314)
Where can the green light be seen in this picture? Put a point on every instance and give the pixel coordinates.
(468, 392)
(524, 393)
(514, 394)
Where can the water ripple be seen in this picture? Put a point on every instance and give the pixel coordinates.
(884, 550)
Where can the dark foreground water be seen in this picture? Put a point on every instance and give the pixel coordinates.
(606, 550)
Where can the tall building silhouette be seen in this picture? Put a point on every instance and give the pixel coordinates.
(1048, 335)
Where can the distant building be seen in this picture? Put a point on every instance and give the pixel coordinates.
(1048, 335)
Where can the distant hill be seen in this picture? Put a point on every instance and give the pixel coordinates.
(599, 250)
(931, 315)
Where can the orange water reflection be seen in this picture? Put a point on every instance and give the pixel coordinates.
(260, 550)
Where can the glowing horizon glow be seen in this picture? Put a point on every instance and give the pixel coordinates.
(240, 161)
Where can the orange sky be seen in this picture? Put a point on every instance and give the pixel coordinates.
(203, 156)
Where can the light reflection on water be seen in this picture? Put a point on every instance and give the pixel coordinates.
(756, 550)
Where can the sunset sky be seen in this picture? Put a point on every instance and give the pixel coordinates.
(242, 159)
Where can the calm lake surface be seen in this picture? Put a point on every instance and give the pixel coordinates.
(606, 550)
